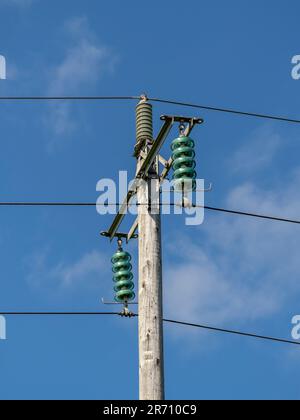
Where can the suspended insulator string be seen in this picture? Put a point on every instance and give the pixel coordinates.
(90, 204)
(122, 275)
(183, 158)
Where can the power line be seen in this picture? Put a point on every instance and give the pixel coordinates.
(159, 100)
(171, 321)
(92, 204)
(234, 332)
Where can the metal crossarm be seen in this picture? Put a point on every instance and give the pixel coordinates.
(146, 165)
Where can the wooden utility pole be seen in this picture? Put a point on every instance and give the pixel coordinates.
(151, 361)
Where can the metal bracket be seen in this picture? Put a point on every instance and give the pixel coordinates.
(191, 121)
(121, 213)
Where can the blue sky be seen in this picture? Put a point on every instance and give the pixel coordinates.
(230, 271)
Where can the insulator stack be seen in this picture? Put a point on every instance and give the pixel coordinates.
(184, 176)
(122, 276)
